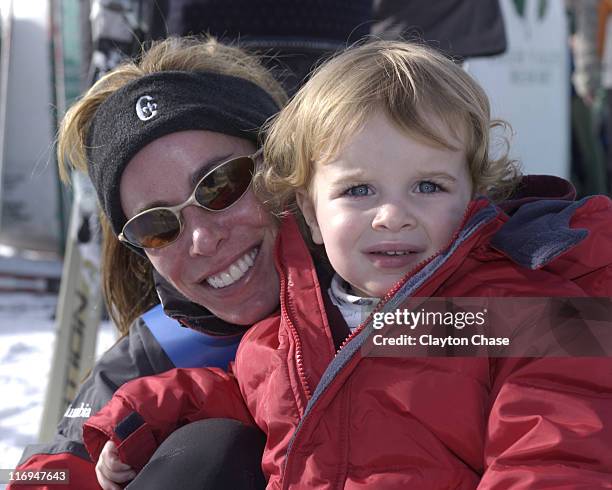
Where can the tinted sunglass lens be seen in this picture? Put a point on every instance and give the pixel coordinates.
(226, 184)
(153, 229)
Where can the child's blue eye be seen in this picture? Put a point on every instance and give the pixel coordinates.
(358, 191)
(428, 187)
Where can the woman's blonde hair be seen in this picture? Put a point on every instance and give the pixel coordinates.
(415, 86)
(127, 281)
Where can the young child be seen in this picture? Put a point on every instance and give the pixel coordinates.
(385, 150)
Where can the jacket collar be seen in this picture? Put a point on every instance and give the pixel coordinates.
(539, 188)
(190, 314)
(538, 230)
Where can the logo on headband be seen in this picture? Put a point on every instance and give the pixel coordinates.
(146, 108)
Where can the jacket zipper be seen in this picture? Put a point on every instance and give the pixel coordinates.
(298, 343)
(298, 357)
(385, 299)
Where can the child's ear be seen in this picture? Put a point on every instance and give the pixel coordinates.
(304, 201)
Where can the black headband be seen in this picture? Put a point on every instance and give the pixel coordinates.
(163, 103)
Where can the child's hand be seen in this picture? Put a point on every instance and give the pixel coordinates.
(110, 470)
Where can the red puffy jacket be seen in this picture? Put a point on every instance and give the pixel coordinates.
(342, 420)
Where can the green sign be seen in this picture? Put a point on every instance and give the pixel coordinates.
(521, 6)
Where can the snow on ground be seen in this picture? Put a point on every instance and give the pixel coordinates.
(27, 332)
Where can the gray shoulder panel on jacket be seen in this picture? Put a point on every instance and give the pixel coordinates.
(134, 356)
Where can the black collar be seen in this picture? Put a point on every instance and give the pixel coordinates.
(190, 314)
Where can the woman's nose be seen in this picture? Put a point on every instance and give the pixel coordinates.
(204, 231)
(393, 216)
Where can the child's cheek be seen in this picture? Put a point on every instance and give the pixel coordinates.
(338, 230)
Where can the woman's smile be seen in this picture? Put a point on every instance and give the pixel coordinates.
(222, 260)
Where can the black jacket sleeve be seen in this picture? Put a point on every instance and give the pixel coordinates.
(136, 355)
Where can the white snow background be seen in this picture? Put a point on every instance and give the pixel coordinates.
(27, 336)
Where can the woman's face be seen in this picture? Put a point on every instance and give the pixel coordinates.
(198, 263)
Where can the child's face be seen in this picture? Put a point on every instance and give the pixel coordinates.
(385, 203)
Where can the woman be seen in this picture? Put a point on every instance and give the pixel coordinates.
(147, 133)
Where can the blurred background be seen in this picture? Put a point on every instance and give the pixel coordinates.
(546, 65)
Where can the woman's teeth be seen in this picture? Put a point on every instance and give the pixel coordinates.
(234, 272)
(396, 252)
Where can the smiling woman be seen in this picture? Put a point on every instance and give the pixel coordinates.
(195, 120)
(221, 260)
(170, 143)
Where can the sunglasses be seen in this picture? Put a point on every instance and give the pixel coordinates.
(218, 190)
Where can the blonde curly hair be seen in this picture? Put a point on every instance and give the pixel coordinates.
(415, 86)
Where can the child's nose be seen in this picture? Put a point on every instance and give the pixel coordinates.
(393, 217)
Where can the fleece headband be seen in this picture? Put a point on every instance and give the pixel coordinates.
(163, 103)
